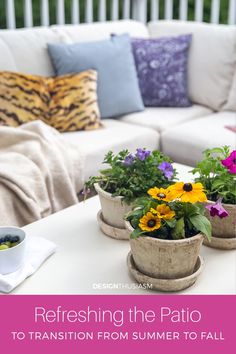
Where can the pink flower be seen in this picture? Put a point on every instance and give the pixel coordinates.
(217, 210)
(230, 162)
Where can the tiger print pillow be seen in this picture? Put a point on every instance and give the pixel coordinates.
(23, 98)
(68, 102)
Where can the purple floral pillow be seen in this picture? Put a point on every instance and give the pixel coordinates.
(161, 65)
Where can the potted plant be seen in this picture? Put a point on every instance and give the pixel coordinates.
(167, 229)
(127, 177)
(217, 173)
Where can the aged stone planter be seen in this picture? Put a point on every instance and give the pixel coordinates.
(111, 231)
(223, 230)
(113, 208)
(166, 285)
(165, 259)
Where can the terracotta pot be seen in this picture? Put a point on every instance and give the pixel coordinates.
(165, 259)
(226, 227)
(113, 208)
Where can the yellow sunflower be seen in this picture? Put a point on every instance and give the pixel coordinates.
(163, 211)
(149, 222)
(159, 193)
(187, 192)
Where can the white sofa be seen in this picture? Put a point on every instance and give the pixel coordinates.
(182, 133)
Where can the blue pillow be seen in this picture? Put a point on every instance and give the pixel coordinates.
(118, 88)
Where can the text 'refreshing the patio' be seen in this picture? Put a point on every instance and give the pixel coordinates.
(116, 317)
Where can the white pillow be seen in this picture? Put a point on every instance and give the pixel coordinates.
(28, 48)
(7, 62)
(99, 30)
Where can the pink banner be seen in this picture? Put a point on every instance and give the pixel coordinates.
(116, 324)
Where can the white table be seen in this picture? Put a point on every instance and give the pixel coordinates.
(88, 262)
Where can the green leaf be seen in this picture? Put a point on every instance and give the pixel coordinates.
(136, 233)
(206, 167)
(217, 184)
(201, 208)
(171, 223)
(134, 213)
(216, 150)
(178, 232)
(190, 209)
(202, 224)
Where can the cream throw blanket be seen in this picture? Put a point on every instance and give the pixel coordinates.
(40, 173)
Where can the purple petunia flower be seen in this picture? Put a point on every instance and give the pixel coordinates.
(230, 162)
(217, 210)
(167, 169)
(85, 191)
(142, 154)
(129, 159)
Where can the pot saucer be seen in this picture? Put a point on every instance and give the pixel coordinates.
(165, 285)
(221, 243)
(114, 232)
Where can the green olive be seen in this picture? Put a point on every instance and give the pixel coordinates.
(13, 244)
(3, 247)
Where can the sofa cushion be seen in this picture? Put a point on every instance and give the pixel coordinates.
(67, 102)
(161, 119)
(185, 143)
(212, 58)
(162, 65)
(99, 30)
(23, 98)
(28, 48)
(93, 145)
(231, 103)
(7, 61)
(118, 89)
(73, 102)
(25, 50)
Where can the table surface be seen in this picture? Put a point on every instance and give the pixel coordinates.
(89, 262)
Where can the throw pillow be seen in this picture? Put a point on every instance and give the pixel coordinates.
(162, 65)
(67, 103)
(118, 89)
(23, 98)
(73, 105)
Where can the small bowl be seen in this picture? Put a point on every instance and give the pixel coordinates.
(12, 258)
